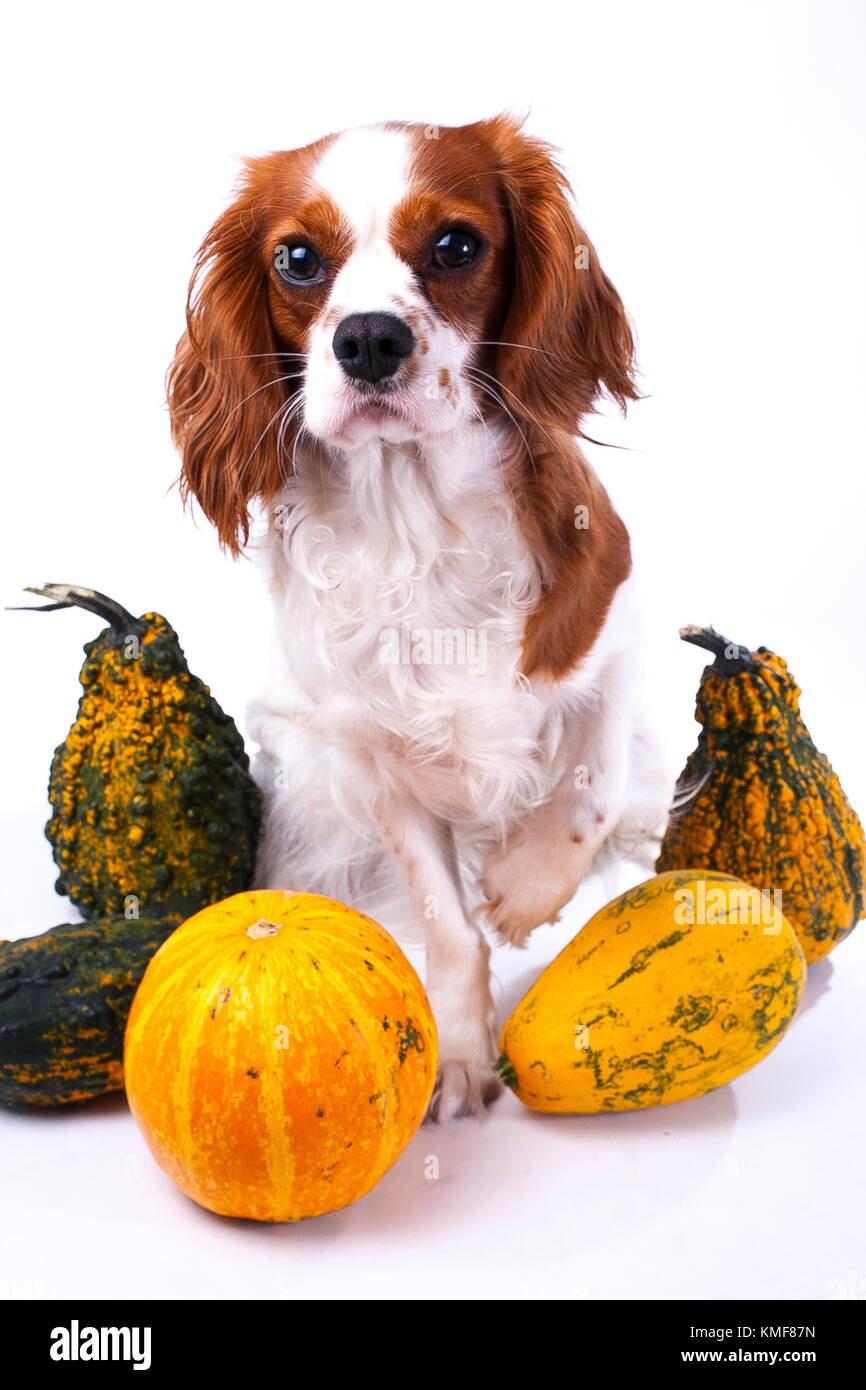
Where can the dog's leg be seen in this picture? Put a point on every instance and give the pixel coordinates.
(458, 979)
(542, 863)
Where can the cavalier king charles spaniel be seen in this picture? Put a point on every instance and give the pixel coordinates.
(393, 335)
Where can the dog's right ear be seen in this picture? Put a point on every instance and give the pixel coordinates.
(224, 387)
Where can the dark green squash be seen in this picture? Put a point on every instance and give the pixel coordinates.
(64, 1000)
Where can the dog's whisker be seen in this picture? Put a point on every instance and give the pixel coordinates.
(277, 381)
(524, 347)
(289, 416)
(478, 415)
(524, 408)
(276, 415)
(249, 356)
(497, 399)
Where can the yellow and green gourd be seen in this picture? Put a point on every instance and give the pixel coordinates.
(673, 989)
(757, 799)
(153, 806)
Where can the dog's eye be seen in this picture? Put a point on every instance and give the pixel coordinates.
(298, 264)
(454, 249)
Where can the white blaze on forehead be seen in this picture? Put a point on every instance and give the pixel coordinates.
(366, 172)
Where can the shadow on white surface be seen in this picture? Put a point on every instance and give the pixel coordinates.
(819, 981)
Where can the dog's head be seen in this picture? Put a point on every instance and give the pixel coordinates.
(388, 282)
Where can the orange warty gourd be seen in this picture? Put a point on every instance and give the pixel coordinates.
(280, 1054)
(759, 801)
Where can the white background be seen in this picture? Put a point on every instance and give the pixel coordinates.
(716, 154)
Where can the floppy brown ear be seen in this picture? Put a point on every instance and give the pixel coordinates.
(573, 335)
(224, 389)
(571, 341)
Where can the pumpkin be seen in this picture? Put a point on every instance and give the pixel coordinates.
(280, 1054)
(151, 795)
(64, 1000)
(671, 990)
(758, 800)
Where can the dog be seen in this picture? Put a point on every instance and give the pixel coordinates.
(393, 336)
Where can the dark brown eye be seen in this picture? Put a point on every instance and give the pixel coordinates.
(298, 264)
(454, 249)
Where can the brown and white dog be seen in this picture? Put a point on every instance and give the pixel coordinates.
(393, 335)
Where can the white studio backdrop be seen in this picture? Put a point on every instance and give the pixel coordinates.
(717, 158)
(716, 155)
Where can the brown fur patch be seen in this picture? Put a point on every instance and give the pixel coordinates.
(226, 385)
(454, 183)
(581, 569)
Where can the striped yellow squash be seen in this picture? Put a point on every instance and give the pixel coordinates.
(280, 1054)
(671, 990)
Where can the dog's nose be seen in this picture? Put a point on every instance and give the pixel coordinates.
(370, 347)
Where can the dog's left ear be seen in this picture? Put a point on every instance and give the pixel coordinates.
(572, 335)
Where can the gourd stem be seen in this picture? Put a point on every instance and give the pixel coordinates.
(730, 656)
(119, 620)
(504, 1070)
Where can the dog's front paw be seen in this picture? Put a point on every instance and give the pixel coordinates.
(462, 1088)
(528, 883)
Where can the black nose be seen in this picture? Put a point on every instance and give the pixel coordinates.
(370, 347)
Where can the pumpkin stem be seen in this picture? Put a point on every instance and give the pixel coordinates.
(122, 623)
(504, 1070)
(730, 656)
(262, 928)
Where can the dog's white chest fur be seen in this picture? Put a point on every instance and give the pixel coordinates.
(402, 590)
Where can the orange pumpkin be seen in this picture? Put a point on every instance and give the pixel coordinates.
(280, 1053)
